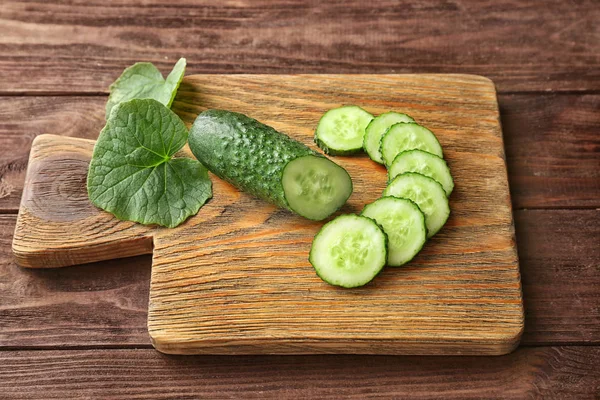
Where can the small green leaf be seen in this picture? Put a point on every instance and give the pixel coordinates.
(144, 81)
(132, 173)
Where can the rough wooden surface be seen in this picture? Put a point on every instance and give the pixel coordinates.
(552, 148)
(102, 304)
(57, 224)
(74, 46)
(235, 278)
(528, 373)
(24, 118)
(107, 302)
(561, 278)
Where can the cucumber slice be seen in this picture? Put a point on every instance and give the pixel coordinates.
(349, 251)
(427, 194)
(259, 160)
(375, 130)
(403, 223)
(315, 187)
(342, 130)
(405, 136)
(423, 163)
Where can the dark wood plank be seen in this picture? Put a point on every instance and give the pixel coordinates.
(559, 253)
(552, 147)
(105, 304)
(73, 46)
(551, 144)
(23, 118)
(542, 372)
(90, 305)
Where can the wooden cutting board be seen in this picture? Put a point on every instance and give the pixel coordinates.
(236, 279)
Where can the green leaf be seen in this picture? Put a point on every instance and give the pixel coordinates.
(133, 174)
(144, 81)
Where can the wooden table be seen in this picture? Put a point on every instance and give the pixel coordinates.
(80, 332)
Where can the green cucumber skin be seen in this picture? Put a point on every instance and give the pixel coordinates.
(385, 194)
(311, 254)
(407, 152)
(333, 152)
(245, 152)
(324, 279)
(365, 138)
(388, 245)
(386, 132)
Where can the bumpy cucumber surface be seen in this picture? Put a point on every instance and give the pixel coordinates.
(349, 251)
(405, 136)
(423, 163)
(268, 164)
(376, 129)
(428, 194)
(341, 130)
(403, 223)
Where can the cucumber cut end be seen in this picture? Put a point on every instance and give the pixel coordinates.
(405, 136)
(423, 163)
(349, 251)
(315, 187)
(377, 128)
(403, 223)
(341, 130)
(428, 194)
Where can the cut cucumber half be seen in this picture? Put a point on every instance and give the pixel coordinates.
(349, 251)
(405, 136)
(315, 187)
(403, 223)
(342, 130)
(375, 130)
(427, 194)
(257, 159)
(423, 163)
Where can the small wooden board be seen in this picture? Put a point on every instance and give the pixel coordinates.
(236, 279)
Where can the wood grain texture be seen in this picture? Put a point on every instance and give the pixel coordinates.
(235, 278)
(64, 46)
(106, 302)
(102, 304)
(529, 373)
(561, 278)
(58, 225)
(552, 149)
(74, 46)
(24, 118)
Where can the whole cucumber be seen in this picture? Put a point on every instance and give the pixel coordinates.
(259, 160)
